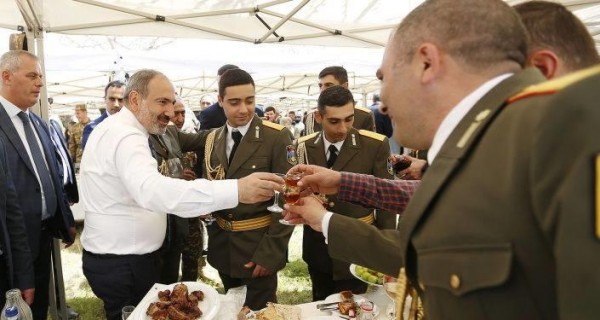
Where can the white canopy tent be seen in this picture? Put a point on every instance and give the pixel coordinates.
(171, 36)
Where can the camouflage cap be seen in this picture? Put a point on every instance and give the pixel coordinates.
(80, 106)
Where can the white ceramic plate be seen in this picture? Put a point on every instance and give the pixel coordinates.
(357, 298)
(209, 306)
(353, 271)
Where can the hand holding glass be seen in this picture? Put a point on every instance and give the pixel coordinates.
(291, 191)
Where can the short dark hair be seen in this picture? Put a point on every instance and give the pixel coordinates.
(234, 77)
(335, 96)
(339, 73)
(481, 34)
(376, 98)
(115, 83)
(270, 108)
(226, 67)
(551, 26)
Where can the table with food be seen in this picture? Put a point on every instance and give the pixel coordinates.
(197, 300)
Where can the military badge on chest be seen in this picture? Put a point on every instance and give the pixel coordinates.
(291, 155)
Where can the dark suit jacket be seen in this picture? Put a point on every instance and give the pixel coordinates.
(15, 249)
(264, 148)
(383, 123)
(212, 117)
(27, 185)
(365, 152)
(90, 126)
(71, 190)
(493, 230)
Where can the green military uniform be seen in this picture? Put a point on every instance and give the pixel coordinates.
(172, 145)
(505, 222)
(364, 152)
(249, 232)
(363, 119)
(75, 135)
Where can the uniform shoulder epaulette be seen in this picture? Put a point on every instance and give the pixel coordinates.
(308, 137)
(272, 125)
(555, 85)
(371, 134)
(363, 109)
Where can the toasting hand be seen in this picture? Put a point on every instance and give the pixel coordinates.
(259, 187)
(317, 179)
(308, 210)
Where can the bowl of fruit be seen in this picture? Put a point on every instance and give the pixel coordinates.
(367, 275)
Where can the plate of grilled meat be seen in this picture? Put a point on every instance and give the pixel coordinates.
(180, 301)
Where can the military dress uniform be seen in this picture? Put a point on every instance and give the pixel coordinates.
(249, 232)
(75, 136)
(172, 145)
(363, 119)
(505, 223)
(364, 152)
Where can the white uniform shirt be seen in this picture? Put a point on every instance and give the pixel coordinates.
(126, 199)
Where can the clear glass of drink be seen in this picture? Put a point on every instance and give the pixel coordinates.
(126, 312)
(391, 287)
(291, 191)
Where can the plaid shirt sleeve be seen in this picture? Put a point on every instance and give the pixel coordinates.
(372, 192)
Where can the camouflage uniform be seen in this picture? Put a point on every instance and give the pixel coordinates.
(75, 135)
(191, 266)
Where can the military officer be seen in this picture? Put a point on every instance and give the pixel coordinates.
(341, 147)
(338, 76)
(76, 132)
(247, 244)
(168, 149)
(503, 226)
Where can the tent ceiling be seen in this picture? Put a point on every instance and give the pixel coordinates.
(317, 22)
(78, 66)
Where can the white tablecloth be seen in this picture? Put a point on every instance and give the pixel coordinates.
(309, 310)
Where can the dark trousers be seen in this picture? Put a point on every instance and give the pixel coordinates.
(120, 280)
(260, 290)
(323, 285)
(41, 268)
(4, 284)
(169, 265)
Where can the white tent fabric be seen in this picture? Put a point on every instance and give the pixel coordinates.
(353, 33)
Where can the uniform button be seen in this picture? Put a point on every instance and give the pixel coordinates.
(331, 204)
(230, 215)
(253, 166)
(454, 282)
(422, 286)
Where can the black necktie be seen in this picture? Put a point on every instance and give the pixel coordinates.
(41, 168)
(237, 137)
(332, 156)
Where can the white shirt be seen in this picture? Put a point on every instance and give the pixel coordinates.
(13, 113)
(243, 129)
(125, 198)
(446, 127)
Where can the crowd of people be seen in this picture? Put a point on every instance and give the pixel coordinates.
(494, 216)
